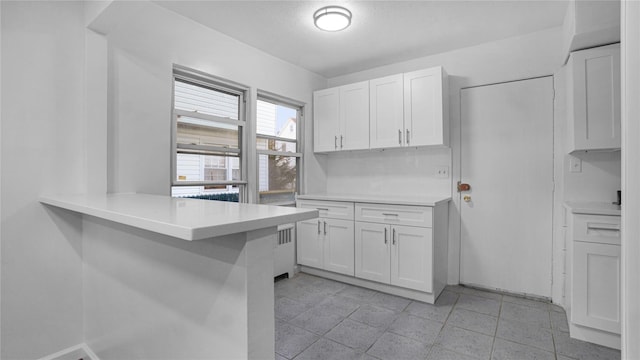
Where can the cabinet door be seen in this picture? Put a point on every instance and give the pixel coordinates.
(424, 116)
(412, 257)
(596, 98)
(372, 243)
(596, 286)
(338, 246)
(354, 116)
(309, 242)
(386, 112)
(326, 117)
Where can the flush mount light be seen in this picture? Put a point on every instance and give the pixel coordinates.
(332, 18)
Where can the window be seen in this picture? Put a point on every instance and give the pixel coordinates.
(279, 154)
(207, 138)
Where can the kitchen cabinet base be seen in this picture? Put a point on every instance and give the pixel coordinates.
(385, 288)
(595, 336)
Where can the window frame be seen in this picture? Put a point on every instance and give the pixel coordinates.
(198, 78)
(299, 154)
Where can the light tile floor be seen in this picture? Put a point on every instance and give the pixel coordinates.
(321, 319)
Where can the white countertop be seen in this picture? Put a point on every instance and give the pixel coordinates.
(376, 199)
(593, 208)
(187, 219)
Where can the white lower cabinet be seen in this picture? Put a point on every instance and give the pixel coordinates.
(412, 257)
(373, 252)
(398, 249)
(594, 282)
(596, 288)
(396, 255)
(326, 244)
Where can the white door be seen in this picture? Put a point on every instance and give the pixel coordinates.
(412, 257)
(326, 117)
(309, 242)
(507, 159)
(338, 246)
(386, 112)
(372, 251)
(423, 110)
(354, 116)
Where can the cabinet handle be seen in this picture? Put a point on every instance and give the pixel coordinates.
(394, 236)
(385, 236)
(325, 227)
(408, 137)
(335, 142)
(601, 226)
(325, 209)
(399, 136)
(389, 214)
(341, 141)
(318, 227)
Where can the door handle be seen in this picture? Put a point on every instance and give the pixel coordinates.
(408, 137)
(385, 236)
(325, 227)
(399, 136)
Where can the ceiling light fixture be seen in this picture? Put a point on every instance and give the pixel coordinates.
(332, 18)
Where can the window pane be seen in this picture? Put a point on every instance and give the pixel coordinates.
(202, 132)
(277, 178)
(276, 145)
(276, 120)
(192, 167)
(192, 97)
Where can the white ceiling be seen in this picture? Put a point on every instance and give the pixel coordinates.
(382, 32)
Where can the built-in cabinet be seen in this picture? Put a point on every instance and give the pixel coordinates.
(327, 242)
(409, 109)
(400, 249)
(390, 252)
(595, 278)
(594, 99)
(341, 118)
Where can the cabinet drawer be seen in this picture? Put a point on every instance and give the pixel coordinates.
(395, 214)
(329, 209)
(597, 229)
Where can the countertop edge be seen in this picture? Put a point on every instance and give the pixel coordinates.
(435, 201)
(592, 208)
(176, 230)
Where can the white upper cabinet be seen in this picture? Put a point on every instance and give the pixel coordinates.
(386, 112)
(594, 99)
(354, 116)
(326, 119)
(341, 118)
(426, 107)
(401, 110)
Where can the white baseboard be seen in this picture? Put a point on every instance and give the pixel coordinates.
(80, 351)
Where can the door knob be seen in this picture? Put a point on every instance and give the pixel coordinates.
(466, 198)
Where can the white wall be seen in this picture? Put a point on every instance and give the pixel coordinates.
(531, 55)
(42, 151)
(141, 54)
(631, 178)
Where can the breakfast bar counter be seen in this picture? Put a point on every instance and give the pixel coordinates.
(185, 278)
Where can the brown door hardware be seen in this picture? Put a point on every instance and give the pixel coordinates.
(463, 187)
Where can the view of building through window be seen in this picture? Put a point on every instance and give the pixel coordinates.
(278, 156)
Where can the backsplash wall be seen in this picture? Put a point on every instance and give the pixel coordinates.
(400, 172)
